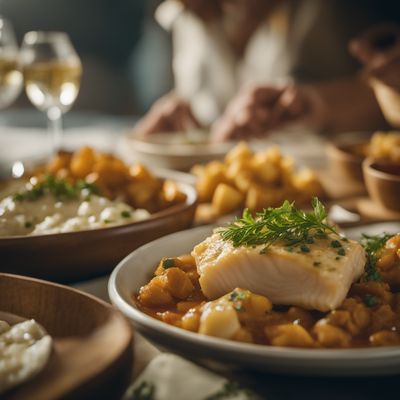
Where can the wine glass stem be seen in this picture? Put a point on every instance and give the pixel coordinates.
(54, 117)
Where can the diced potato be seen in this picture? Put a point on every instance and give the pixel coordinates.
(171, 193)
(82, 162)
(59, 162)
(289, 335)
(243, 180)
(207, 183)
(238, 166)
(139, 171)
(177, 283)
(153, 295)
(240, 151)
(258, 198)
(191, 321)
(265, 171)
(226, 199)
(330, 335)
(205, 213)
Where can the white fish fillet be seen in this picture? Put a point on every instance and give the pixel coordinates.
(319, 279)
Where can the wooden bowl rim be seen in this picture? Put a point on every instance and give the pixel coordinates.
(341, 150)
(370, 169)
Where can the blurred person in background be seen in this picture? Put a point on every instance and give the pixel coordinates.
(116, 41)
(379, 50)
(292, 56)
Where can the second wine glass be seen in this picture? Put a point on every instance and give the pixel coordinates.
(52, 73)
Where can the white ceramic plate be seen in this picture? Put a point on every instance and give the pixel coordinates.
(136, 269)
(172, 150)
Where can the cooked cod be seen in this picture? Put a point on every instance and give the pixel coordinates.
(314, 276)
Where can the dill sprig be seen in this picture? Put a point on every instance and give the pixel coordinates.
(285, 224)
(372, 246)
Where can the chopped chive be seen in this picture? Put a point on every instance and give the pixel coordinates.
(304, 248)
(316, 263)
(28, 224)
(125, 214)
(341, 252)
(336, 244)
(168, 263)
(370, 300)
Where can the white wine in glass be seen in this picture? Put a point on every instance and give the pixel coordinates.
(52, 74)
(10, 73)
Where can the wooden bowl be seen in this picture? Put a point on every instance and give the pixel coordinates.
(345, 161)
(383, 183)
(92, 342)
(72, 256)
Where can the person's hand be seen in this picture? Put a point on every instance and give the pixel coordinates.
(260, 109)
(379, 50)
(168, 114)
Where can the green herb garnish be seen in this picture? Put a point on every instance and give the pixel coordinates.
(285, 224)
(59, 188)
(125, 214)
(372, 246)
(336, 244)
(316, 263)
(28, 224)
(341, 252)
(370, 300)
(145, 391)
(168, 263)
(235, 296)
(231, 390)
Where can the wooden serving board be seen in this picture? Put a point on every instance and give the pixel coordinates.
(92, 342)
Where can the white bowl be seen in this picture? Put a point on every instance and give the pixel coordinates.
(136, 270)
(172, 150)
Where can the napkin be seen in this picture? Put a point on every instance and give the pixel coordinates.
(170, 377)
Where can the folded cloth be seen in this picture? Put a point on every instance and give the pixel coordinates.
(170, 377)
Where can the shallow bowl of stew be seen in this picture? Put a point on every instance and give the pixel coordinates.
(137, 269)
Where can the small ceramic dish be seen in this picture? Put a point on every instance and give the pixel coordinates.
(72, 256)
(136, 270)
(345, 160)
(92, 343)
(177, 150)
(383, 183)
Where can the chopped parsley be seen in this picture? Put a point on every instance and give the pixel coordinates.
(304, 248)
(125, 214)
(28, 224)
(317, 263)
(372, 246)
(59, 188)
(145, 391)
(286, 224)
(341, 252)
(168, 263)
(370, 300)
(336, 244)
(235, 296)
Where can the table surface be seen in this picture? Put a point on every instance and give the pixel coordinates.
(22, 136)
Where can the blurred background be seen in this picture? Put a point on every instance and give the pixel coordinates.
(125, 54)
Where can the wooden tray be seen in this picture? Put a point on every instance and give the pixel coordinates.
(92, 355)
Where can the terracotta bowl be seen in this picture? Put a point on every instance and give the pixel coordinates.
(72, 256)
(345, 161)
(92, 343)
(383, 183)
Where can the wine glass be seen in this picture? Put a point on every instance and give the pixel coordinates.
(52, 73)
(10, 73)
